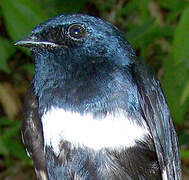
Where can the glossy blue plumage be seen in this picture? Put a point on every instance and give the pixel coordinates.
(96, 74)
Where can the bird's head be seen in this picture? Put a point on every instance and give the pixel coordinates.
(76, 48)
(79, 38)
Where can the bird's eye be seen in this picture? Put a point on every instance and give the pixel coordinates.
(76, 31)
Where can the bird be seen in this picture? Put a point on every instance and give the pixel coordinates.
(94, 110)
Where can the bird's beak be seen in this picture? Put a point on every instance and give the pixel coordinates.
(33, 42)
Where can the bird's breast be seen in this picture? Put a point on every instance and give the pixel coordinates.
(113, 130)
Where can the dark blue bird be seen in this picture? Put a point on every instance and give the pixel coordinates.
(93, 111)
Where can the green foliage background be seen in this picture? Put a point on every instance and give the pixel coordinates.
(158, 30)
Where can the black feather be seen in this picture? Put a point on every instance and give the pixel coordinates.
(97, 74)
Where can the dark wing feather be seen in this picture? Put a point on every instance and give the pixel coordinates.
(157, 115)
(32, 134)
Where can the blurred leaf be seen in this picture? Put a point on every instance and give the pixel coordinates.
(68, 6)
(141, 35)
(0, 13)
(127, 9)
(48, 6)
(11, 132)
(17, 149)
(21, 16)
(6, 51)
(29, 68)
(185, 93)
(173, 4)
(172, 16)
(143, 9)
(3, 148)
(59, 6)
(10, 141)
(7, 122)
(181, 40)
(184, 153)
(9, 99)
(166, 31)
(183, 138)
(174, 81)
(176, 71)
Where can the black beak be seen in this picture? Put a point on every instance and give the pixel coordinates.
(34, 42)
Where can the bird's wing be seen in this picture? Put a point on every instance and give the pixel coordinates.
(32, 134)
(157, 115)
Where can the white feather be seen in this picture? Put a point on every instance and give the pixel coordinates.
(164, 175)
(114, 130)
